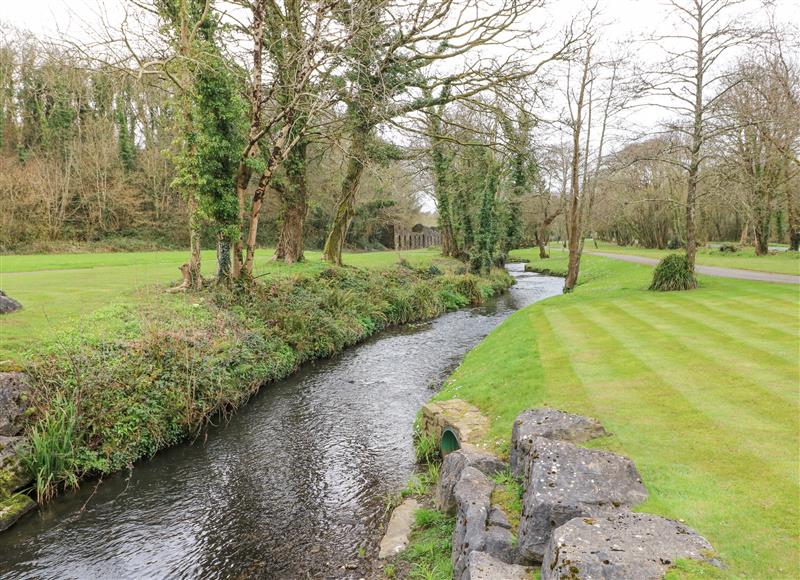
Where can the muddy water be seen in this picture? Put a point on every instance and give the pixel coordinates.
(292, 487)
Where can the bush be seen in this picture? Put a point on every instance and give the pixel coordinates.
(673, 273)
(729, 248)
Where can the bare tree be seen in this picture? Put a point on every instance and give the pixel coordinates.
(705, 31)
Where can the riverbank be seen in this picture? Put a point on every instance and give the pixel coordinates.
(698, 388)
(138, 377)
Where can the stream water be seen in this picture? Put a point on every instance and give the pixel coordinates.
(293, 486)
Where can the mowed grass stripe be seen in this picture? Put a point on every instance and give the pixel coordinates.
(746, 330)
(703, 459)
(725, 304)
(727, 351)
(608, 329)
(552, 354)
(782, 309)
(734, 297)
(733, 402)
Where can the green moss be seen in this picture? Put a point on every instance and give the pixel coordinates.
(12, 508)
(694, 569)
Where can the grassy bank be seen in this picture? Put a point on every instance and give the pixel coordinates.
(61, 290)
(139, 376)
(745, 258)
(699, 388)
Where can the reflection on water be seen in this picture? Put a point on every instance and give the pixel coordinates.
(291, 487)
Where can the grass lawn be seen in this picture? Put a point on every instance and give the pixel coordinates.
(61, 289)
(700, 389)
(745, 259)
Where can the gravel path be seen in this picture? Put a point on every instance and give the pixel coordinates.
(712, 270)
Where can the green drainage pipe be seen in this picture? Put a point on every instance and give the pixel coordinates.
(449, 441)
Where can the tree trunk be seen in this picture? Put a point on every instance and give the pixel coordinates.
(574, 211)
(793, 217)
(745, 233)
(345, 208)
(541, 239)
(761, 231)
(691, 233)
(294, 206)
(243, 175)
(694, 161)
(194, 245)
(255, 213)
(223, 259)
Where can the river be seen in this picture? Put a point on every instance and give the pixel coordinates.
(293, 486)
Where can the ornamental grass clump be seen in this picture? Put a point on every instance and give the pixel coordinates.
(673, 273)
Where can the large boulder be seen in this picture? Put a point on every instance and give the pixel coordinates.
(13, 475)
(14, 390)
(483, 566)
(551, 424)
(565, 482)
(8, 304)
(621, 546)
(452, 467)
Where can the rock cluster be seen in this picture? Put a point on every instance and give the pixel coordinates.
(576, 519)
(451, 469)
(480, 528)
(551, 424)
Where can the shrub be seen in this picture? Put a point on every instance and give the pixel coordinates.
(673, 273)
(729, 248)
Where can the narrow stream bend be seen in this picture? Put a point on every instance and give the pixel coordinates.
(292, 487)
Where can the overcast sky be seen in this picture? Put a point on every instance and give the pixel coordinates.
(49, 16)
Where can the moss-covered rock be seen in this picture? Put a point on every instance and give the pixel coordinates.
(13, 475)
(12, 508)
